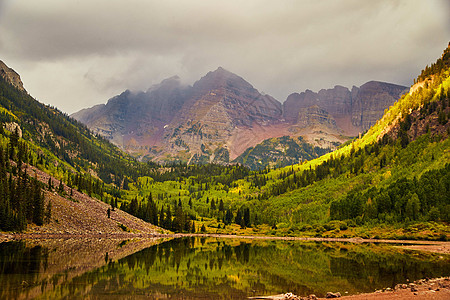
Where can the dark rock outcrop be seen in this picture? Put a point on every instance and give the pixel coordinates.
(370, 101)
(11, 76)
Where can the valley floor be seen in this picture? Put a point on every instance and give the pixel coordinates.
(78, 216)
(75, 214)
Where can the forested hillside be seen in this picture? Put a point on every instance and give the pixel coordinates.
(21, 197)
(279, 152)
(56, 135)
(396, 175)
(35, 134)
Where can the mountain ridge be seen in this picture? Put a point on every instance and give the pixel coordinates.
(354, 110)
(222, 112)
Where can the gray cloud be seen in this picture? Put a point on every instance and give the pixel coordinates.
(74, 54)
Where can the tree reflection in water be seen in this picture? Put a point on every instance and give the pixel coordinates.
(205, 268)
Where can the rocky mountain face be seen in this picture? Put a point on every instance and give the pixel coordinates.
(221, 115)
(135, 120)
(353, 111)
(11, 76)
(191, 123)
(221, 105)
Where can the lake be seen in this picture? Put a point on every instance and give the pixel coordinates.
(204, 268)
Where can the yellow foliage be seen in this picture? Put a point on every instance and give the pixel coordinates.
(234, 278)
(7, 112)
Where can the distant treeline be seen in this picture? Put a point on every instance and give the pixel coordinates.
(177, 219)
(423, 199)
(225, 175)
(442, 64)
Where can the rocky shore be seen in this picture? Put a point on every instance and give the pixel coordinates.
(438, 288)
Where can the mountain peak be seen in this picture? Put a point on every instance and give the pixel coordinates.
(221, 72)
(168, 83)
(171, 79)
(11, 76)
(220, 69)
(221, 78)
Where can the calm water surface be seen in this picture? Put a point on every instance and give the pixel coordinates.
(204, 268)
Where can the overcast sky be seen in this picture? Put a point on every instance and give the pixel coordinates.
(77, 53)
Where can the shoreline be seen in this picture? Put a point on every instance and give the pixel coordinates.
(442, 247)
(436, 289)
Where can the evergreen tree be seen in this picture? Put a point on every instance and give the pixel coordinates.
(162, 217)
(38, 215)
(193, 227)
(61, 187)
(228, 217)
(247, 222)
(48, 212)
(238, 217)
(168, 219)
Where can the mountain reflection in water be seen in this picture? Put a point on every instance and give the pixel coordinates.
(204, 268)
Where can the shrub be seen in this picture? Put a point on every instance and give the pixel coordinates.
(319, 229)
(124, 228)
(443, 237)
(305, 227)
